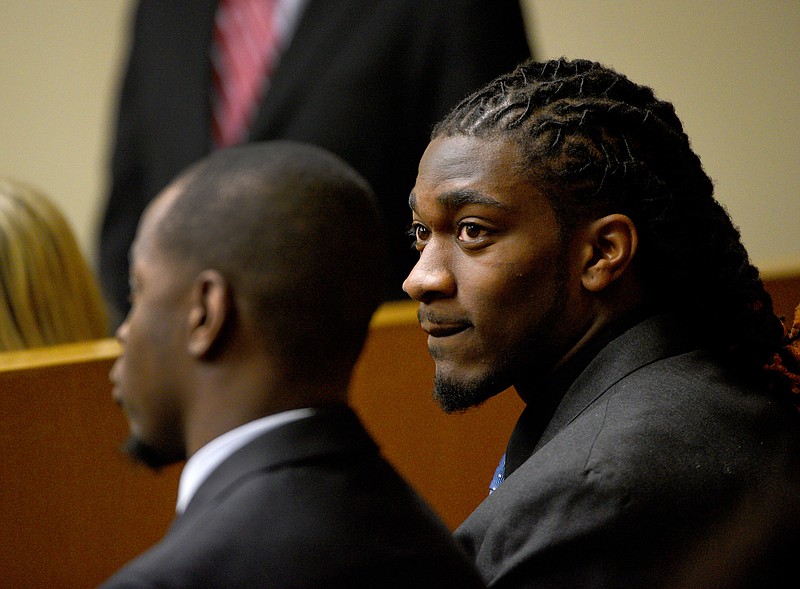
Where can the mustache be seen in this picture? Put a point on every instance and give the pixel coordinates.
(434, 318)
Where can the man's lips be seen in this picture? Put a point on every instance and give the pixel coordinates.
(437, 325)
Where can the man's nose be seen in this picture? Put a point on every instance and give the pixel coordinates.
(431, 277)
(121, 332)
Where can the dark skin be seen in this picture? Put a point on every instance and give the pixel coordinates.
(504, 299)
(193, 365)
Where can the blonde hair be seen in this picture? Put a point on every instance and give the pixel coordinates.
(48, 293)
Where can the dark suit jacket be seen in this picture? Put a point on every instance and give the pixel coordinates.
(654, 451)
(366, 79)
(309, 504)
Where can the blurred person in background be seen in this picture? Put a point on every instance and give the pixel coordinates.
(365, 79)
(48, 293)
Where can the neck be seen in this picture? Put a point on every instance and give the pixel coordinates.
(228, 397)
(584, 346)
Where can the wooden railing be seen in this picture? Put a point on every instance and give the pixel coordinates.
(73, 508)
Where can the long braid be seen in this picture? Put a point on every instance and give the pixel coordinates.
(602, 144)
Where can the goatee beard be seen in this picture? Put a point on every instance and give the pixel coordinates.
(457, 397)
(145, 454)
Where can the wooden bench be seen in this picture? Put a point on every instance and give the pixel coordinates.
(73, 508)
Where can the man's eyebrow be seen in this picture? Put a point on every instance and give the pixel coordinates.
(460, 198)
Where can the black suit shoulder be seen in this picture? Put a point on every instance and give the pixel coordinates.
(327, 512)
(659, 452)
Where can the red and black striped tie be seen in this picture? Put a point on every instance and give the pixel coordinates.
(243, 57)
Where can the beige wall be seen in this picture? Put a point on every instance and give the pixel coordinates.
(59, 62)
(730, 66)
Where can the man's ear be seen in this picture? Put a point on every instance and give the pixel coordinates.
(611, 243)
(210, 310)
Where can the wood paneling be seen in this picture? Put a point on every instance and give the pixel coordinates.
(785, 293)
(73, 508)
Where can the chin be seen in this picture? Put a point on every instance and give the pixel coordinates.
(458, 395)
(150, 456)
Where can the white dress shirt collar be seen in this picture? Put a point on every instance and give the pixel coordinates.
(209, 457)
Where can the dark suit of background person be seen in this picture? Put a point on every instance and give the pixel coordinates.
(365, 79)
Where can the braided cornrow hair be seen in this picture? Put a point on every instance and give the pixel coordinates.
(601, 144)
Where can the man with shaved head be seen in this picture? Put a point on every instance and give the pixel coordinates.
(254, 276)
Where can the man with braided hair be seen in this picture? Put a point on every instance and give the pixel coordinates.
(570, 247)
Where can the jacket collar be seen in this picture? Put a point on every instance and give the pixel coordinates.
(330, 431)
(604, 363)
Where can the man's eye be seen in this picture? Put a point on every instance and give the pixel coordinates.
(471, 231)
(419, 232)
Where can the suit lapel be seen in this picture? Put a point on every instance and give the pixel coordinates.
(331, 431)
(316, 36)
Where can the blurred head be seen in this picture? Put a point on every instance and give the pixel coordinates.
(48, 294)
(263, 263)
(623, 199)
